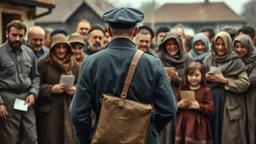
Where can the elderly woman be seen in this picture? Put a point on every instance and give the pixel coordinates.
(200, 47)
(77, 46)
(55, 126)
(245, 49)
(228, 79)
(175, 60)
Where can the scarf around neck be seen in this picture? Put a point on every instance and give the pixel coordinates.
(193, 53)
(250, 58)
(177, 61)
(232, 64)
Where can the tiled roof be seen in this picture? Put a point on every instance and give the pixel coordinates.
(195, 12)
(65, 8)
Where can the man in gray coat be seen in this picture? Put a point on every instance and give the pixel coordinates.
(19, 80)
(105, 72)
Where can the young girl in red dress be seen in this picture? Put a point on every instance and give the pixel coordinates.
(192, 125)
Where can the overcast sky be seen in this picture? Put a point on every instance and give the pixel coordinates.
(236, 5)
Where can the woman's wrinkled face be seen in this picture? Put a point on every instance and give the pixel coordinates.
(172, 47)
(77, 50)
(199, 47)
(240, 49)
(61, 50)
(220, 48)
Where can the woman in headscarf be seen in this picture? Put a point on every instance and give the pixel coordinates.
(175, 60)
(200, 47)
(228, 80)
(77, 46)
(245, 49)
(54, 125)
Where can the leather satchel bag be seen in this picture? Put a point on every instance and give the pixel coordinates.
(123, 121)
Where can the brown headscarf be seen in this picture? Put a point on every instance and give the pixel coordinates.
(65, 65)
(232, 63)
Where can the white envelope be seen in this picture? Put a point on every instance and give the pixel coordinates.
(67, 80)
(214, 69)
(19, 105)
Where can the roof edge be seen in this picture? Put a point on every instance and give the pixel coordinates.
(34, 3)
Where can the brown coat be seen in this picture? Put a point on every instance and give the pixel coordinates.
(233, 130)
(54, 123)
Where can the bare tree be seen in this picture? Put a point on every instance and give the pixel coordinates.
(249, 13)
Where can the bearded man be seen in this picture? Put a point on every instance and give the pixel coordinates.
(95, 40)
(19, 81)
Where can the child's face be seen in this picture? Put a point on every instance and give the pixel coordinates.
(194, 78)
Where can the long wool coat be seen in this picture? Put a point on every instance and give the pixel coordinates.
(54, 123)
(228, 122)
(250, 97)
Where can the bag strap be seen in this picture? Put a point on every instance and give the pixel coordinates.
(130, 74)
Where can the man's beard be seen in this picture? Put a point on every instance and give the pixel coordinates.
(37, 48)
(95, 47)
(15, 44)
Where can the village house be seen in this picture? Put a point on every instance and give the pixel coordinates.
(196, 16)
(68, 12)
(24, 10)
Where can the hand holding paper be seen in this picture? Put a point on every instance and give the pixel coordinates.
(214, 69)
(67, 80)
(184, 104)
(171, 73)
(187, 95)
(58, 88)
(70, 91)
(19, 104)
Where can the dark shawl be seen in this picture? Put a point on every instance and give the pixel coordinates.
(177, 61)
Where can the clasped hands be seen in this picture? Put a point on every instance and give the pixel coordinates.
(188, 104)
(171, 75)
(60, 88)
(213, 77)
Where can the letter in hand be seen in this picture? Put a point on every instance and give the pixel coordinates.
(58, 88)
(70, 90)
(185, 104)
(30, 100)
(3, 111)
(194, 105)
(216, 77)
(173, 74)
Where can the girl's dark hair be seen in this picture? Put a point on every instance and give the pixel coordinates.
(190, 70)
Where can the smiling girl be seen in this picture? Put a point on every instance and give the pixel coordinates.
(192, 124)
